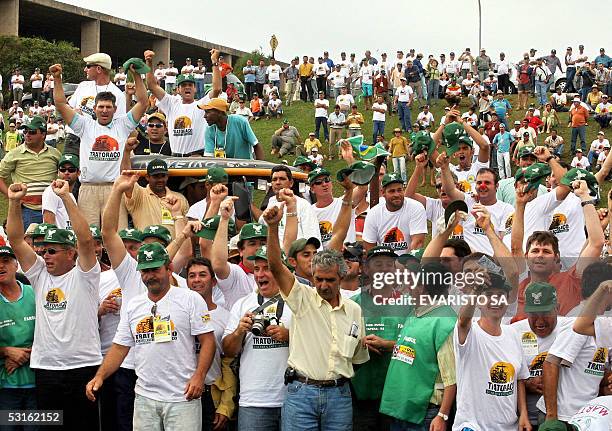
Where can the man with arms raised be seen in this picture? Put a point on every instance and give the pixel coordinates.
(66, 347)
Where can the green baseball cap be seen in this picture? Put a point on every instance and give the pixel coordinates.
(55, 235)
(69, 159)
(527, 150)
(554, 425)
(130, 234)
(359, 173)
(303, 160)
(301, 243)
(42, 228)
(157, 166)
(577, 174)
(157, 231)
(453, 135)
(36, 123)
(534, 175)
(185, 78)
(210, 226)
(540, 297)
(380, 250)
(151, 256)
(95, 232)
(216, 175)
(423, 142)
(7, 251)
(262, 253)
(415, 255)
(253, 230)
(392, 178)
(318, 172)
(139, 65)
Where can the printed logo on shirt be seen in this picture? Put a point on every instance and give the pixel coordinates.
(325, 227)
(465, 185)
(395, 239)
(537, 365)
(597, 366)
(116, 292)
(55, 300)
(105, 149)
(182, 126)
(87, 104)
(457, 232)
(145, 330)
(559, 224)
(508, 225)
(405, 354)
(501, 382)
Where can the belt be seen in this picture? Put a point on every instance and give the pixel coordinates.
(322, 383)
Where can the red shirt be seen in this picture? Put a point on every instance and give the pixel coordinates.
(225, 69)
(569, 292)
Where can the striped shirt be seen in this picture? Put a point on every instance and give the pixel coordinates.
(37, 170)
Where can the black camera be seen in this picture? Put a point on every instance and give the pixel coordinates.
(261, 323)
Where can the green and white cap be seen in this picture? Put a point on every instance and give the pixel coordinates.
(151, 255)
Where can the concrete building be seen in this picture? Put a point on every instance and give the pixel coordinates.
(98, 32)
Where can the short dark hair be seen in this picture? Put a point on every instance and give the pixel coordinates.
(593, 275)
(105, 95)
(461, 247)
(282, 168)
(543, 237)
(200, 261)
(491, 171)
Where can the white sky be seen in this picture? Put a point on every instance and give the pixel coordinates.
(431, 26)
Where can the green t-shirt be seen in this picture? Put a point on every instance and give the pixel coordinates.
(385, 321)
(238, 138)
(17, 330)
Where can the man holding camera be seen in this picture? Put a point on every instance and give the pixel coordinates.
(257, 331)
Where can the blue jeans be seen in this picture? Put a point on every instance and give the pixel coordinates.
(570, 73)
(578, 131)
(430, 415)
(276, 84)
(540, 88)
(200, 88)
(259, 418)
(378, 128)
(433, 90)
(584, 92)
(30, 216)
(321, 121)
(309, 407)
(405, 118)
(17, 399)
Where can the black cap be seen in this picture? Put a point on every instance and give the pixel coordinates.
(353, 250)
(458, 205)
(380, 250)
(157, 166)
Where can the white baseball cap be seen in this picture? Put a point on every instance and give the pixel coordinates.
(100, 59)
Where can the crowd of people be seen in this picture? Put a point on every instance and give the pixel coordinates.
(130, 301)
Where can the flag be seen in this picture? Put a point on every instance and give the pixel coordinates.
(365, 151)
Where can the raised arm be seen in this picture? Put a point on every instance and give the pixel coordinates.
(142, 101)
(14, 226)
(448, 183)
(413, 182)
(59, 97)
(218, 251)
(483, 154)
(344, 220)
(154, 87)
(285, 279)
(216, 74)
(595, 235)
(597, 303)
(291, 225)
(602, 174)
(85, 242)
(544, 156)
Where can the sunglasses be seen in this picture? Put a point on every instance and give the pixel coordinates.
(323, 181)
(89, 66)
(155, 125)
(71, 170)
(50, 251)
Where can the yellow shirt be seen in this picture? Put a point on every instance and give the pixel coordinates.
(309, 145)
(321, 346)
(146, 208)
(305, 69)
(398, 147)
(354, 121)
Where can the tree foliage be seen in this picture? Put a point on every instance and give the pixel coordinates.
(27, 53)
(241, 62)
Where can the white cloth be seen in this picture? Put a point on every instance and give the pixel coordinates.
(171, 79)
(308, 225)
(219, 318)
(379, 116)
(238, 284)
(596, 415)
(321, 112)
(108, 323)
(186, 123)
(327, 217)
(53, 203)
(273, 72)
(84, 97)
(403, 93)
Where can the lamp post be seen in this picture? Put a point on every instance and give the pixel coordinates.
(479, 26)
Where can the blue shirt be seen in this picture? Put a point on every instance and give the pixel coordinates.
(250, 77)
(330, 63)
(503, 141)
(237, 140)
(603, 59)
(501, 107)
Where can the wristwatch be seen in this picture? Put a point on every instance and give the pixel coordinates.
(591, 202)
(443, 416)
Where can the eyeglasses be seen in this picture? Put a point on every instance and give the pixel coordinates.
(71, 170)
(323, 181)
(155, 125)
(50, 251)
(31, 132)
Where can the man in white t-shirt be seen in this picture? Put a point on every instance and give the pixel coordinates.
(120, 78)
(379, 111)
(425, 117)
(161, 326)
(17, 82)
(36, 81)
(258, 331)
(170, 77)
(187, 69)
(53, 208)
(397, 222)
(102, 142)
(186, 123)
(273, 73)
(345, 101)
(66, 349)
(321, 107)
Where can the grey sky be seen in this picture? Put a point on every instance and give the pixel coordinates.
(431, 26)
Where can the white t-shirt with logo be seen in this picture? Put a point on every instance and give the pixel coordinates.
(379, 116)
(345, 101)
(84, 97)
(467, 179)
(101, 147)
(403, 93)
(567, 223)
(394, 228)
(108, 323)
(366, 73)
(164, 368)
(321, 112)
(53, 203)
(596, 415)
(263, 360)
(321, 69)
(327, 217)
(578, 382)
(66, 333)
(171, 79)
(120, 78)
(186, 123)
(488, 370)
(273, 72)
(337, 79)
(535, 349)
(425, 118)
